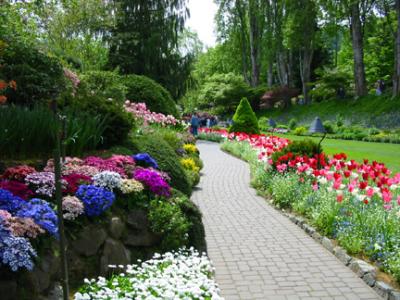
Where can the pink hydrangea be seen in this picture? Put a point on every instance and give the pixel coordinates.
(72, 207)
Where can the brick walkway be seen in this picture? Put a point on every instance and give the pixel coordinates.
(257, 252)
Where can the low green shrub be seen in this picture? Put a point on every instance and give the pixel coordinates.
(292, 123)
(284, 190)
(300, 131)
(329, 127)
(212, 137)
(167, 219)
(298, 148)
(244, 119)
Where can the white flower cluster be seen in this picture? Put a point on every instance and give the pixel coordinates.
(178, 275)
(131, 186)
(107, 179)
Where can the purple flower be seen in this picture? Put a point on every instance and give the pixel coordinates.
(153, 181)
(9, 202)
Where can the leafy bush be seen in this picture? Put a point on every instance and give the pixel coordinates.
(263, 124)
(244, 119)
(39, 77)
(106, 84)
(300, 131)
(166, 158)
(329, 127)
(292, 123)
(298, 148)
(144, 89)
(84, 132)
(167, 219)
(284, 189)
(117, 121)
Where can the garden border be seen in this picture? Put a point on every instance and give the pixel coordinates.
(363, 269)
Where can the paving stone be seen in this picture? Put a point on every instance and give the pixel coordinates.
(258, 252)
(394, 295)
(361, 268)
(342, 255)
(382, 289)
(327, 243)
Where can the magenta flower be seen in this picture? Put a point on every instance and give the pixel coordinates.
(153, 180)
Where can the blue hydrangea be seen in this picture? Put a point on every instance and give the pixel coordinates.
(42, 213)
(96, 199)
(145, 159)
(15, 252)
(9, 202)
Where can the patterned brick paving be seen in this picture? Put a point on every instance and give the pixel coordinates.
(259, 253)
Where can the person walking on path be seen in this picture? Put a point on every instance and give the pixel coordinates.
(194, 123)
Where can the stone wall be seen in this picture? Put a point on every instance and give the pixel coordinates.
(121, 238)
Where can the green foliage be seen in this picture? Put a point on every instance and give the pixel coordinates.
(292, 123)
(284, 189)
(39, 77)
(298, 148)
(329, 127)
(145, 41)
(166, 158)
(168, 220)
(117, 122)
(221, 93)
(244, 119)
(84, 132)
(144, 89)
(329, 83)
(300, 131)
(105, 84)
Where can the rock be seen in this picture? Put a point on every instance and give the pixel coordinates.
(137, 219)
(316, 236)
(342, 255)
(299, 221)
(394, 295)
(293, 219)
(90, 240)
(369, 279)
(327, 243)
(361, 268)
(114, 253)
(144, 238)
(56, 293)
(42, 279)
(8, 290)
(383, 289)
(116, 228)
(310, 230)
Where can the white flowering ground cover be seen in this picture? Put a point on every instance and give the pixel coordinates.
(184, 274)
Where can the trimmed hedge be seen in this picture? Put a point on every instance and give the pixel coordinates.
(143, 89)
(244, 119)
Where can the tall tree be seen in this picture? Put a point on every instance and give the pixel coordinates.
(396, 75)
(145, 40)
(256, 22)
(300, 33)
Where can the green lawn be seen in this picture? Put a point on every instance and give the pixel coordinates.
(386, 153)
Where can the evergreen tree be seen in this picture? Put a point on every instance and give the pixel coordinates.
(145, 40)
(245, 119)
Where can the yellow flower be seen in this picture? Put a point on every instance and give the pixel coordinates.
(189, 164)
(190, 149)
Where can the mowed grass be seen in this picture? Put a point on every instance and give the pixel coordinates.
(380, 152)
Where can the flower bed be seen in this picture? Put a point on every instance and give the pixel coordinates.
(90, 187)
(358, 204)
(174, 275)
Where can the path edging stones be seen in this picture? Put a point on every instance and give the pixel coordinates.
(361, 268)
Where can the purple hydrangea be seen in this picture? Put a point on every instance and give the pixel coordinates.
(146, 160)
(43, 183)
(96, 199)
(41, 212)
(9, 202)
(153, 181)
(15, 252)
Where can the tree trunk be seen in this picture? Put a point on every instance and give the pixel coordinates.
(254, 45)
(305, 72)
(270, 74)
(244, 43)
(396, 75)
(358, 51)
(281, 66)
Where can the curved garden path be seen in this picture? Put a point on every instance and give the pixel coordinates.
(258, 253)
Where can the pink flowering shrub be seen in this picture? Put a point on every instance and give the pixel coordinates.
(17, 188)
(72, 207)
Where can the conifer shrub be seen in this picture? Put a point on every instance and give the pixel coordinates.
(244, 119)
